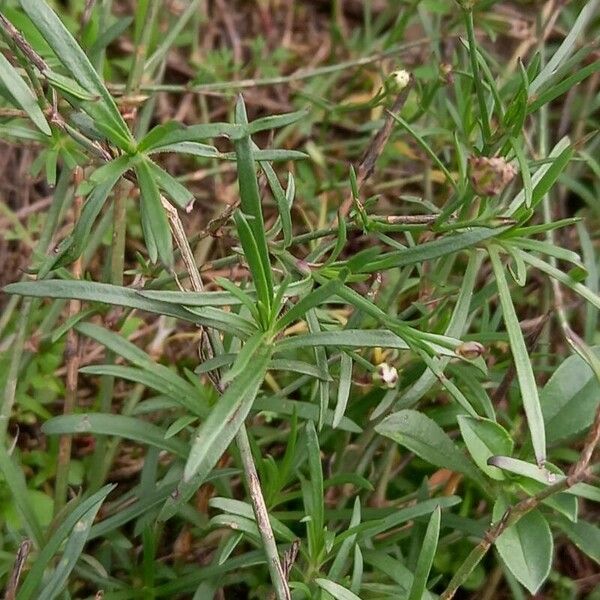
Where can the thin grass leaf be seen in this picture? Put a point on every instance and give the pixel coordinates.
(243, 358)
(525, 376)
(14, 479)
(310, 301)
(22, 95)
(223, 321)
(77, 63)
(118, 425)
(123, 347)
(338, 591)
(170, 133)
(189, 399)
(218, 430)
(525, 174)
(425, 561)
(154, 219)
(316, 509)
(226, 298)
(192, 148)
(261, 271)
(243, 509)
(303, 410)
(427, 439)
(543, 475)
(51, 548)
(427, 148)
(567, 47)
(178, 193)
(283, 205)
(544, 177)
(448, 244)
(58, 580)
(276, 121)
(344, 385)
(250, 197)
(97, 292)
(564, 278)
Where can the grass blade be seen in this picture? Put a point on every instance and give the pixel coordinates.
(119, 425)
(525, 376)
(22, 95)
(425, 561)
(218, 430)
(52, 546)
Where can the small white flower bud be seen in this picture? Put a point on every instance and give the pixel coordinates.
(387, 374)
(399, 79)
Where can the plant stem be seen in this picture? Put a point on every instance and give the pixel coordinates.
(514, 513)
(261, 513)
(278, 577)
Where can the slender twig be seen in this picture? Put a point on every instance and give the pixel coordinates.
(299, 75)
(278, 576)
(72, 365)
(261, 513)
(15, 576)
(514, 513)
(373, 151)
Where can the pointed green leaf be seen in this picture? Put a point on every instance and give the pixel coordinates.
(23, 96)
(526, 547)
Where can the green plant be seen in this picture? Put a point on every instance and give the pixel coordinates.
(233, 447)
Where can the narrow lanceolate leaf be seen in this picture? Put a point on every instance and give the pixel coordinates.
(72, 247)
(567, 47)
(154, 219)
(22, 95)
(426, 439)
(526, 547)
(52, 546)
(91, 291)
(73, 548)
(249, 193)
(428, 548)
(14, 480)
(544, 475)
(119, 425)
(216, 433)
(338, 591)
(77, 63)
(177, 192)
(261, 270)
(525, 376)
(544, 177)
(344, 386)
(276, 121)
(431, 250)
